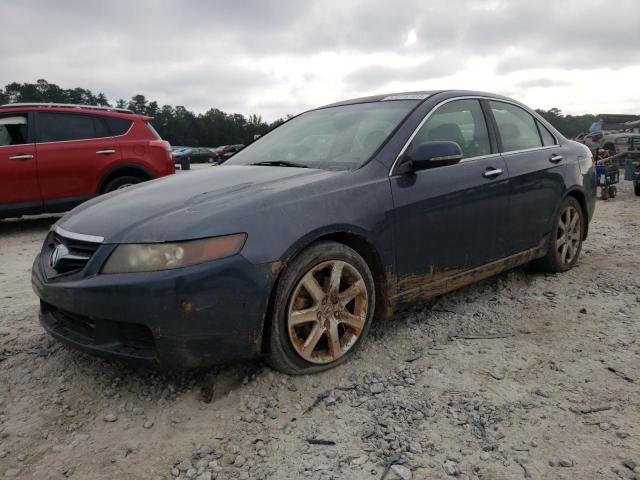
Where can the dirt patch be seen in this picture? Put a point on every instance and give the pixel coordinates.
(556, 394)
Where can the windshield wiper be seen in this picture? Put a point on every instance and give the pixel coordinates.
(280, 163)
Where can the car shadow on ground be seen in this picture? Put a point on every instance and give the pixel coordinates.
(27, 224)
(213, 383)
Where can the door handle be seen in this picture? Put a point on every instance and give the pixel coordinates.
(556, 158)
(21, 157)
(105, 152)
(492, 172)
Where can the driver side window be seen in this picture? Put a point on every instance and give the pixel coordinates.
(459, 121)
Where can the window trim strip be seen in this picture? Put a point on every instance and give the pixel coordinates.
(469, 97)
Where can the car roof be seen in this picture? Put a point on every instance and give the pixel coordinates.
(73, 108)
(416, 95)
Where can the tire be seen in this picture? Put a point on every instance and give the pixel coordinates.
(121, 182)
(636, 189)
(557, 259)
(210, 160)
(324, 313)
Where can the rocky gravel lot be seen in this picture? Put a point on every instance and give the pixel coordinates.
(522, 376)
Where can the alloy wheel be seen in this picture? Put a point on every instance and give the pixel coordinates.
(568, 235)
(327, 311)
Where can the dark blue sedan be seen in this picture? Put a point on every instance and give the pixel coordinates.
(339, 216)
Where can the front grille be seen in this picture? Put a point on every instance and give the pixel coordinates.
(635, 142)
(65, 255)
(78, 324)
(136, 336)
(129, 339)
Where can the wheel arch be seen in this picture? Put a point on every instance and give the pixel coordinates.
(356, 241)
(124, 170)
(580, 196)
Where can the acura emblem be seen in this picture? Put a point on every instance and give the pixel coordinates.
(58, 254)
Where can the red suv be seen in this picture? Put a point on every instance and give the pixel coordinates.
(55, 156)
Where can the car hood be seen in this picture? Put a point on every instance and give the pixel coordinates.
(198, 204)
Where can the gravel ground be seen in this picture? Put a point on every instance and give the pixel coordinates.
(556, 396)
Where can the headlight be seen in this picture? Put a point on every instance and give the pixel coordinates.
(149, 257)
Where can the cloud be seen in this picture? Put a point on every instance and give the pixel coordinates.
(285, 55)
(543, 82)
(373, 77)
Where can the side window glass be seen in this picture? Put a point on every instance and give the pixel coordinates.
(60, 127)
(547, 138)
(13, 130)
(516, 126)
(118, 126)
(460, 121)
(100, 127)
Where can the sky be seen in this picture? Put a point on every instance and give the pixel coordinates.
(278, 57)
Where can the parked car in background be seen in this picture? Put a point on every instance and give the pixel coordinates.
(292, 247)
(614, 142)
(195, 155)
(55, 156)
(225, 152)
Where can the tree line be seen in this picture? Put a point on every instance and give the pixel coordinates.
(214, 127)
(177, 124)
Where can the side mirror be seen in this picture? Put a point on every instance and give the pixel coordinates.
(430, 155)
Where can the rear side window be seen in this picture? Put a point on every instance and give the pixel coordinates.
(516, 126)
(100, 127)
(60, 127)
(153, 130)
(118, 126)
(547, 138)
(13, 130)
(460, 121)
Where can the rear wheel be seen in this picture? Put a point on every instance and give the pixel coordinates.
(120, 183)
(565, 240)
(323, 309)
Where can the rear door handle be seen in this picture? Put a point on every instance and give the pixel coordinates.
(492, 172)
(105, 152)
(21, 157)
(556, 158)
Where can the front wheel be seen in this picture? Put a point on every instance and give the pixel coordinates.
(322, 310)
(565, 239)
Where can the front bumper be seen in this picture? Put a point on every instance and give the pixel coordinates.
(195, 316)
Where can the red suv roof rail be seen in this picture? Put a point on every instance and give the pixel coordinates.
(66, 105)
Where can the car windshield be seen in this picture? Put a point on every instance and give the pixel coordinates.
(333, 138)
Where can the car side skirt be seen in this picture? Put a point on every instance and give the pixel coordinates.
(411, 288)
